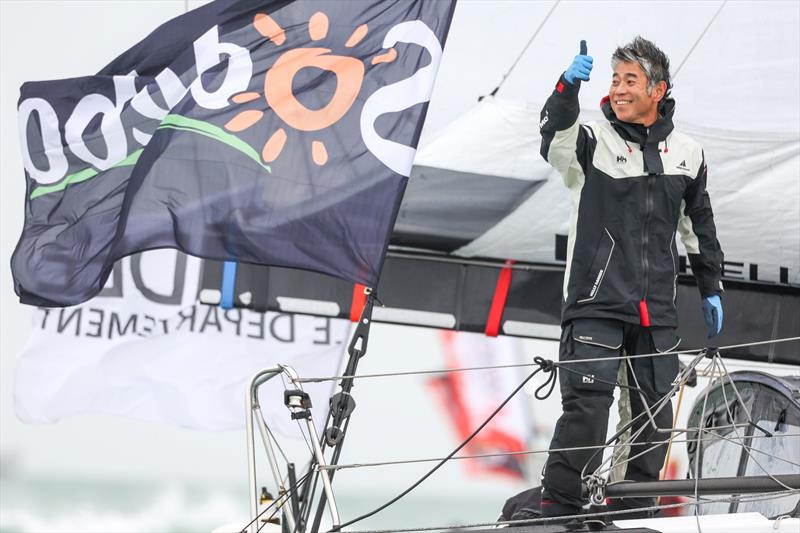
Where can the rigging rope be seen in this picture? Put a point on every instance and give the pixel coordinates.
(277, 501)
(551, 367)
(595, 478)
(574, 448)
(702, 34)
(513, 65)
(672, 434)
(544, 366)
(628, 443)
(699, 455)
(524, 365)
(718, 360)
(547, 17)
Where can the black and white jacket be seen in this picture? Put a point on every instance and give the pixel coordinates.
(633, 188)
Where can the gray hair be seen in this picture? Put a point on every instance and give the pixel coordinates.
(647, 55)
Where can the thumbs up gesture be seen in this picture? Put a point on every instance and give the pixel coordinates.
(581, 66)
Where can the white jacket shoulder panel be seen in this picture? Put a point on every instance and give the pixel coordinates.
(612, 155)
(683, 155)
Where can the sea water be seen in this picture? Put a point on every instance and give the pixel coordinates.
(74, 505)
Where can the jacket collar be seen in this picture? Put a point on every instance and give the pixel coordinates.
(638, 133)
(647, 138)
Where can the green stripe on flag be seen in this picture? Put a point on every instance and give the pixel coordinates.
(179, 122)
(176, 122)
(83, 175)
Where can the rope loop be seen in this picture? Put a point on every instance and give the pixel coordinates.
(550, 368)
(546, 365)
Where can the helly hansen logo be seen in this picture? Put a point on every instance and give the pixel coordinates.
(621, 159)
(682, 165)
(596, 283)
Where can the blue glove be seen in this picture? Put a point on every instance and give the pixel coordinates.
(712, 312)
(581, 66)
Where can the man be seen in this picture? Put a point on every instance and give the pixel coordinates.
(634, 183)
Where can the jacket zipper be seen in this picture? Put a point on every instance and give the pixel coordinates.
(646, 235)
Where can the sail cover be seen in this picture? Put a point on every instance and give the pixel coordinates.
(277, 133)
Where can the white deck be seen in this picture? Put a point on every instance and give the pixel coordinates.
(718, 523)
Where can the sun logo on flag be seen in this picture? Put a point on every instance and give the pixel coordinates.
(278, 81)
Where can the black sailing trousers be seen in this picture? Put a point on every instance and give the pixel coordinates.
(586, 396)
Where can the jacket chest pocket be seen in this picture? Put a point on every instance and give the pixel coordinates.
(599, 267)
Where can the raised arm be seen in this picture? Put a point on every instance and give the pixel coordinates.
(563, 139)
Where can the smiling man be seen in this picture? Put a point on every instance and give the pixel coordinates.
(634, 182)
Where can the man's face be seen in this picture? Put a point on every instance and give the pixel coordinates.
(628, 95)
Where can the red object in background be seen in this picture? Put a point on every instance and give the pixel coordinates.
(672, 473)
(458, 397)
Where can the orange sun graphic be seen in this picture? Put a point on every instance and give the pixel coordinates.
(278, 94)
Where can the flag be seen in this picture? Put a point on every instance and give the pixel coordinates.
(145, 349)
(278, 133)
(470, 397)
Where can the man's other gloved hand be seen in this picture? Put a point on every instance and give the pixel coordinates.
(712, 312)
(581, 66)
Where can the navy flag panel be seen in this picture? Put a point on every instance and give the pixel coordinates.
(277, 133)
